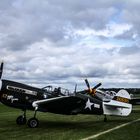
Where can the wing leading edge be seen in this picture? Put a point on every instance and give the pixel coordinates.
(60, 105)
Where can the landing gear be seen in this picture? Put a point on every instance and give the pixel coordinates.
(33, 123)
(105, 118)
(21, 120)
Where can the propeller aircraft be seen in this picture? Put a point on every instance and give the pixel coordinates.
(62, 101)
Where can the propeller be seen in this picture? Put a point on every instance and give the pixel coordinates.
(87, 83)
(92, 90)
(1, 70)
(75, 88)
(98, 85)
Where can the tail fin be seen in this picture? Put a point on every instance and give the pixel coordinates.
(122, 96)
(119, 105)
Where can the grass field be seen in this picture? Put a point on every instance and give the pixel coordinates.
(59, 127)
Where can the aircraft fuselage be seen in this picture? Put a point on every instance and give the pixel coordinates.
(22, 96)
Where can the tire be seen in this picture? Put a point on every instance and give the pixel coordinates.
(21, 120)
(33, 123)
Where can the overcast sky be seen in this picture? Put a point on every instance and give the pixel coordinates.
(62, 42)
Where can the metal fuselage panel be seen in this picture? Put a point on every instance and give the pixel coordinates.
(92, 105)
(18, 95)
(22, 96)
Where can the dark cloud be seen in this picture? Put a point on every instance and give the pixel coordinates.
(128, 35)
(5, 4)
(130, 14)
(26, 22)
(130, 50)
(38, 43)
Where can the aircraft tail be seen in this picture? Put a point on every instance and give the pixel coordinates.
(120, 105)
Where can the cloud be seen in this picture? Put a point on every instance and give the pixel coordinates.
(130, 50)
(111, 30)
(25, 22)
(63, 42)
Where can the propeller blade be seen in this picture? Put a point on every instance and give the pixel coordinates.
(75, 88)
(87, 83)
(1, 70)
(92, 90)
(98, 85)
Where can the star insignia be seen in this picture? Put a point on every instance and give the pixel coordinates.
(88, 104)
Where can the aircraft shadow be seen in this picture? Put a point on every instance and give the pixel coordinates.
(79, 125)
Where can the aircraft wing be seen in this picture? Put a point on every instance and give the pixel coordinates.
(44, 101)
(60, 105)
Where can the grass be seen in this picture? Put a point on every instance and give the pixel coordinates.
(63, 127)
(130, 132)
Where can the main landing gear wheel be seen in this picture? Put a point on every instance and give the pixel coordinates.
(33, 123)
(21, 120)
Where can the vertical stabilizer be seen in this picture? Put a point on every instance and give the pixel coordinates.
(119, 105)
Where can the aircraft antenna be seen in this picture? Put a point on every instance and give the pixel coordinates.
(1, 70)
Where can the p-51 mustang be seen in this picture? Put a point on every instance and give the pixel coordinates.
(61, 101)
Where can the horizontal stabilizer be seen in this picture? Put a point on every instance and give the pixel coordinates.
(117, 108)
